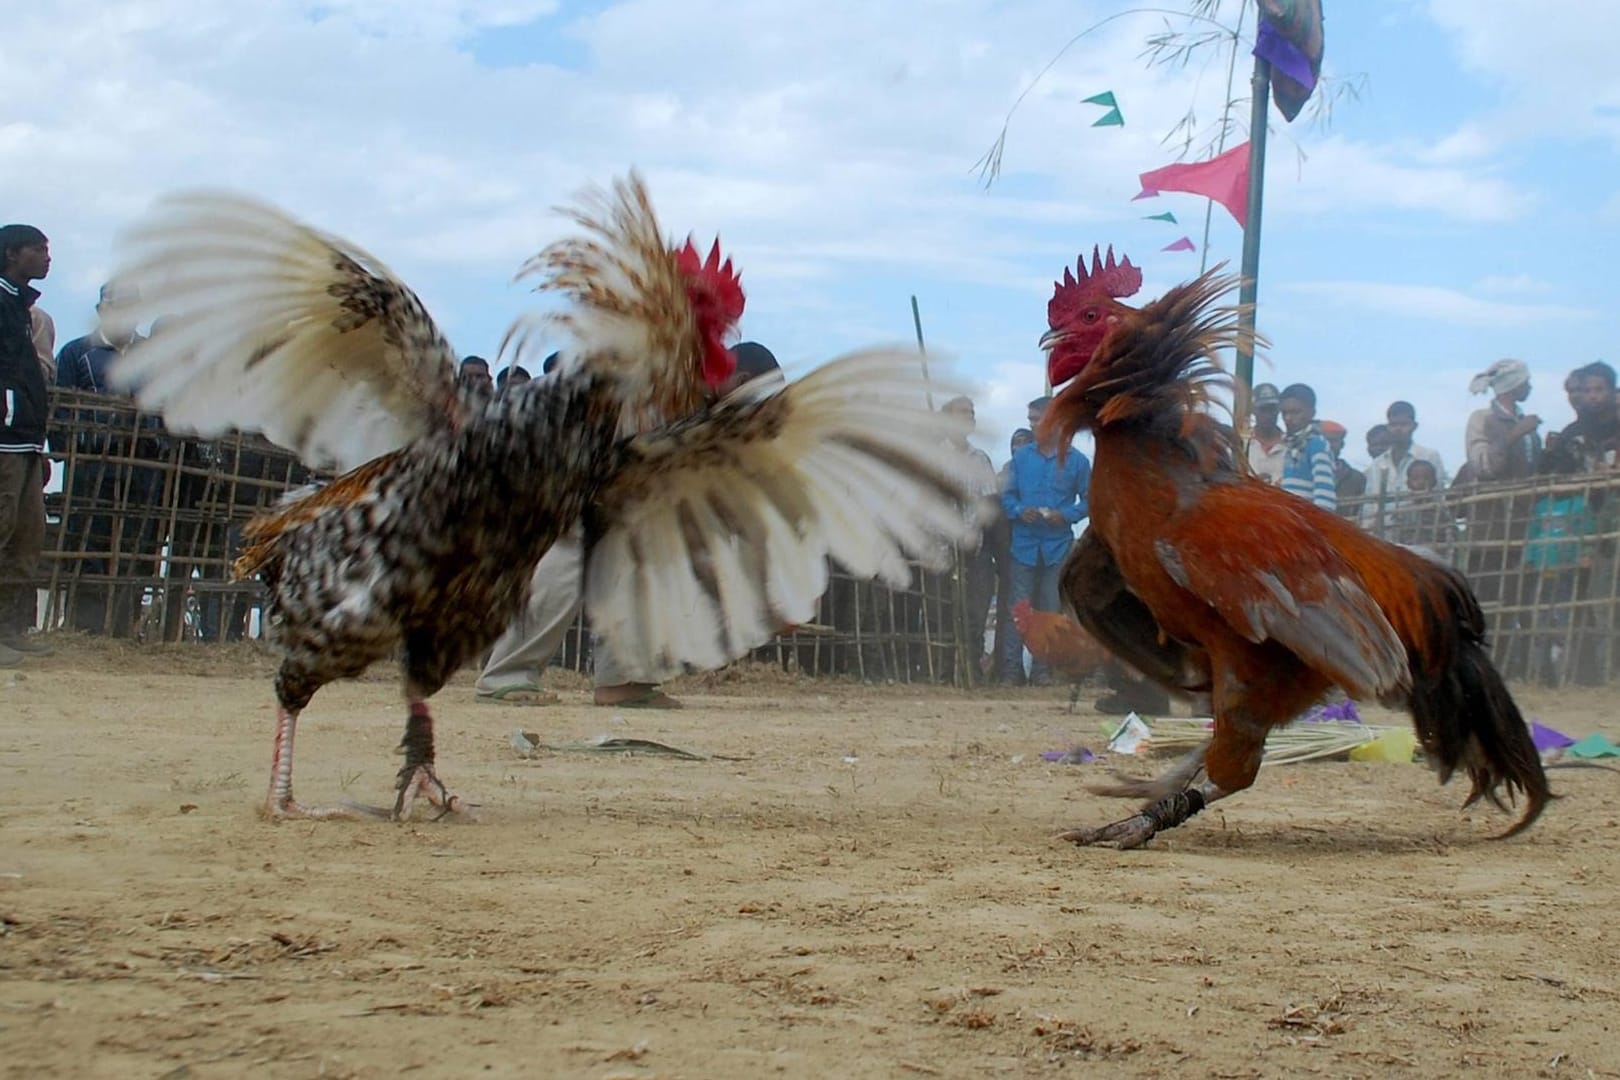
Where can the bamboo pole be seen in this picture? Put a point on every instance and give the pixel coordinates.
(922, 350)
(1260, 87)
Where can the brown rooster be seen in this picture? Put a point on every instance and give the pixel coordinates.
(703, 535)
(1059, 640)
(1206, 578)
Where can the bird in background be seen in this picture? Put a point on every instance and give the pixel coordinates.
(1061, 642)
(703, 533)
(1206, 579)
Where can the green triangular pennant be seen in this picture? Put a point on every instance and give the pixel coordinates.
(1110, 119)
(1166, 216)
(1104, 98)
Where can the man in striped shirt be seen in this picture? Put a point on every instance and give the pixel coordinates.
(1307, 461)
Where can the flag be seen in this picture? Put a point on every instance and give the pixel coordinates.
(1113, 117)
(1166, 216)
(1290, 37)
(1224, 179)
(1184, 244)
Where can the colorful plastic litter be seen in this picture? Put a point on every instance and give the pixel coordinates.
(1392, 747)
(1547, 738)
(1593, 746)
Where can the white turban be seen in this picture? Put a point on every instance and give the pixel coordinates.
(1501, 377)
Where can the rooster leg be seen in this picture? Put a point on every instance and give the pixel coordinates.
(1167, 813)
(280, 805)
(1231, 757)
(1176, 778)
(416, 776)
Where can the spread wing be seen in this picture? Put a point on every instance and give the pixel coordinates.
(1267, 562)
(262, 323)
(718, 531)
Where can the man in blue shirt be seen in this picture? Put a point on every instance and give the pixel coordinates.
(1307, 466)
(83, 362)
(1044, 500)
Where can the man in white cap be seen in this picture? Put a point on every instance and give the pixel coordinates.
(1268, 445)
(1502, 440)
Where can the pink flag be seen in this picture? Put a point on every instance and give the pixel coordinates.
(1224, 179)
(1184, 244)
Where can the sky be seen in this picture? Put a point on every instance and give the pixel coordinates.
(1463, 207)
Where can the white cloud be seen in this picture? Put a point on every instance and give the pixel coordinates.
(1343, 176)
(1556, 64)
(1433, 302)
(829, 144)
(1513, 285)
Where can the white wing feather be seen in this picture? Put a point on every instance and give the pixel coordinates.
(265, 324)
(719, 532)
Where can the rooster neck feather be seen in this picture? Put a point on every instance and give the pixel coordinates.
(654, 314)
(1156, 374)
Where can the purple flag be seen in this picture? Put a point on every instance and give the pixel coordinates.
(1290, 37)
(1547, 738)
(1184, 244)
(1285, 57)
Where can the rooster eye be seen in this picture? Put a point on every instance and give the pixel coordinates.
(1091, 315)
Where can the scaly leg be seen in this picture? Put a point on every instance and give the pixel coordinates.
(280, 804)
(416, 776)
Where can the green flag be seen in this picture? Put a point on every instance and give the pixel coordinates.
(1104, 98)
(1166, 216)
(1110, 119)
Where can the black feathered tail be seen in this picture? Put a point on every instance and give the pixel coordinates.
(1465, 716)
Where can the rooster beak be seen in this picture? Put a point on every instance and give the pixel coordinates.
(1051, 339)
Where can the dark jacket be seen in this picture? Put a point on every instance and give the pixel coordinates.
(22, 381)
(82, 363)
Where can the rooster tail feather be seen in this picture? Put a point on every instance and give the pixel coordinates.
(264, 532)
(1465, 717)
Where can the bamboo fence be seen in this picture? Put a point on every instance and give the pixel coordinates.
(142, 524)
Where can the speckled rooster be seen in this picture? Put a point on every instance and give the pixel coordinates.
(703, 534)
(1205, 578)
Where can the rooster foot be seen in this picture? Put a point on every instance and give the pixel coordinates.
(1133, 832)
(421, 780)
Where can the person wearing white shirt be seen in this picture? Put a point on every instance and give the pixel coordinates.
(1386, 476)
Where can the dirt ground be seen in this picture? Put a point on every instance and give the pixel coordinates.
(870, 890)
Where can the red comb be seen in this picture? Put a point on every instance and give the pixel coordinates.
(724, 283)
(1107, 279)
(714, 289)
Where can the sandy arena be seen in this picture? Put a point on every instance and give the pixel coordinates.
(871, 890)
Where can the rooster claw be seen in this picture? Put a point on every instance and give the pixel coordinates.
(422, 780)
(1133, 832)
(1130, 833)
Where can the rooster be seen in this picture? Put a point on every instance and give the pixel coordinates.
(703, 534)
(1207, 579)
(1059, 640)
